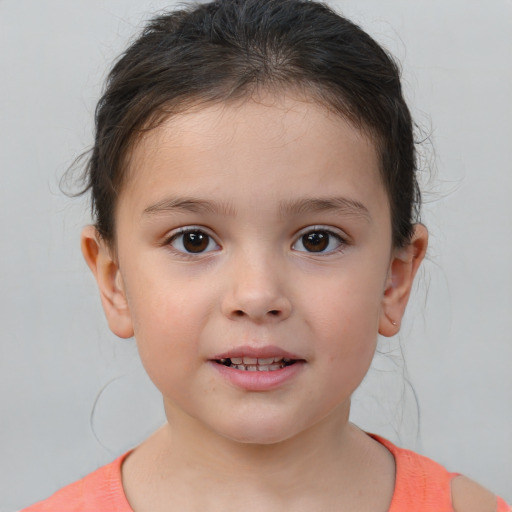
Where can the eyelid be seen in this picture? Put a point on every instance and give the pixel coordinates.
(175, 233)
(337, 233)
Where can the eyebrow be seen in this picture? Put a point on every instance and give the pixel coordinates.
(188, 204)
(340, 205)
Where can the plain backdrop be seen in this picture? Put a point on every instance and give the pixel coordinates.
(73, 396)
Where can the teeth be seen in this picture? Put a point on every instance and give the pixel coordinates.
(252, 364)
(259, 360)
(258, 368)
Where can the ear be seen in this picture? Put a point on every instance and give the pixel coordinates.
(110, 283)
(402, 269)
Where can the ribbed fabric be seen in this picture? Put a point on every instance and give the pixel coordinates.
(421, 485)
(100, 491)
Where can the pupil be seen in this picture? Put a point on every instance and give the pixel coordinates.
(316, 242)
(195, 241)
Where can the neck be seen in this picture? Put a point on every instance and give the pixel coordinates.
(331, 455)
(262, 464)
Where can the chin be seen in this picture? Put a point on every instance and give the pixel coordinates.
(258, 438)
(260, 431)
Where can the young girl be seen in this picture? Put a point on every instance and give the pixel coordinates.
(255, 201)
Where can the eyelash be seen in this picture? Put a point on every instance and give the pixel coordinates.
(327, 237)
(178, 235)
(331, 235)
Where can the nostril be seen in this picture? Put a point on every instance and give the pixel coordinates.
(272, 312)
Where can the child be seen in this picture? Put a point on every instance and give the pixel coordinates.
(255, 201)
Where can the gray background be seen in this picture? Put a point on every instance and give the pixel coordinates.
(57, 355)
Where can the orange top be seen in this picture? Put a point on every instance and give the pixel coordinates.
(421, 485)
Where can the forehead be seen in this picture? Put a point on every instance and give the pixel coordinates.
(273, 144)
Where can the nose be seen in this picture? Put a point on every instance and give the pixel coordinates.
(256, 291)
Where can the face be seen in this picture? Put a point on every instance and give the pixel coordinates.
(254, 265)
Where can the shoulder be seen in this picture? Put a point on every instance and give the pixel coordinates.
(70, 496)
(100, 490)
(424, 485)
(468, 496)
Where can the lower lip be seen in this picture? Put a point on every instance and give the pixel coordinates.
(259, 381)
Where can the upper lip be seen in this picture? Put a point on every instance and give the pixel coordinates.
(265, 352)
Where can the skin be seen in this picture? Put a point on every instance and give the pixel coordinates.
(256, 284)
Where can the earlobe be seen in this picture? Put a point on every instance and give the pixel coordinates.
(100, 260)
(402, 270)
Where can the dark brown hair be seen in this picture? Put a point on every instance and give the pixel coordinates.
(226, 49)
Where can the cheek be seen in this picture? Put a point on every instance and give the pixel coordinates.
(351, 302)
(344, 317)
(167, 328)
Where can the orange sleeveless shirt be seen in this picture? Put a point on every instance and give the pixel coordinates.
(421, 485)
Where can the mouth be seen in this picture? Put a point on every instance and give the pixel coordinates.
(258, 369)
(256, 364)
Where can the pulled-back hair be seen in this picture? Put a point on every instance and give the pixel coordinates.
(226, 50)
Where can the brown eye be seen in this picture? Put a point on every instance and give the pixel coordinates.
(315, 242)
(318, 241)
(193, 242)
